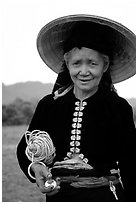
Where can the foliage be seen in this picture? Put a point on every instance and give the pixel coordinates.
(18, 113)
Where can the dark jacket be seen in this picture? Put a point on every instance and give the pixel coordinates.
(107, 133)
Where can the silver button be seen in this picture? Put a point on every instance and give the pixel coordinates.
(79, 125)
(72, 149)
(80, 114)
(85, 160)
(77, 150)
(77, 103)
(77, 143)
(75, 120)
(73, 137)
(78, 137)
(79, 120)
(84, 103)
(77, 108)
(78, 132)
(72, 143)
(75, 114)
(69, 154)
(73, 132)
(81, 156)
(81, 108)
(74, 125)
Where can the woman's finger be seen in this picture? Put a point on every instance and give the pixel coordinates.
(55, 191)
(41, 184)
(58, 181)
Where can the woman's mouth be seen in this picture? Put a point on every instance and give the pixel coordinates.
(85, 80)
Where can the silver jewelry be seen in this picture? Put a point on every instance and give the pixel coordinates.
(51, 184)
(29, 167)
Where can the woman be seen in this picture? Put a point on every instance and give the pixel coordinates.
(88, 128)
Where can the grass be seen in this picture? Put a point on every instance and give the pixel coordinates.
(15, 186)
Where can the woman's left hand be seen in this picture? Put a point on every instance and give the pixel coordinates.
(43, 175)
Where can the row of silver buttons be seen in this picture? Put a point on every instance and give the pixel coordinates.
(76, 132)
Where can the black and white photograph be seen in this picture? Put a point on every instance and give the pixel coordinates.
(68, 100)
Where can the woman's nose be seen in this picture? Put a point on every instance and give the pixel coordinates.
(84, 70)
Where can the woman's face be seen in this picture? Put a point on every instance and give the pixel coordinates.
(86, 67)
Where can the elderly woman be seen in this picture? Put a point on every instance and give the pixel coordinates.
(80, 144)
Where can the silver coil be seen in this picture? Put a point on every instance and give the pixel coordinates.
(39, 146)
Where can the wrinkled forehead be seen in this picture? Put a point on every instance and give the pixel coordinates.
(83, 53)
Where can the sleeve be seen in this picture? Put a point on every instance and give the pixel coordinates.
(127, 158)
(36, 124)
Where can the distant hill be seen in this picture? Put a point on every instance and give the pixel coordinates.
(27, 91)
(30, 91)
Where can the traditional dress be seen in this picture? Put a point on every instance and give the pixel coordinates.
(101, 131)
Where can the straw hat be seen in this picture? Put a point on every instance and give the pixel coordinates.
(54, 39)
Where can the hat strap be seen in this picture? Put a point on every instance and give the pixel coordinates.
(62, 92)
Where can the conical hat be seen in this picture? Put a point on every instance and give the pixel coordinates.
(53, 36)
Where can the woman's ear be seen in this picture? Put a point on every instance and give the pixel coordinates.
(106, 67)
(66, 58)
(106, 63)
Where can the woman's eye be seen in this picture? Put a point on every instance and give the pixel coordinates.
(76, 63)
(93, 63)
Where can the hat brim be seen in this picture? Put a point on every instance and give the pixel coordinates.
(52, 36)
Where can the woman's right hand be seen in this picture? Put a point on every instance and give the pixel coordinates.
(42, 174)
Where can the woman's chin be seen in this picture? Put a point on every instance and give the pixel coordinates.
(85, 87)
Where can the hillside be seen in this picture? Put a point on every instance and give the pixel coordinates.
(19, 101)
(27, 91)
(30, 91)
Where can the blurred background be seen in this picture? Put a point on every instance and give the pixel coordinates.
(26, 79)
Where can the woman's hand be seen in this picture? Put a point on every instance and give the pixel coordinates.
(42, 175)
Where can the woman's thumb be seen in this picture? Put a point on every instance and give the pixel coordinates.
(47, 174)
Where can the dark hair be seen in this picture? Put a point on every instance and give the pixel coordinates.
(106, 81)
(64, 80)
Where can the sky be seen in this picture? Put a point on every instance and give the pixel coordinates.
(22, 20)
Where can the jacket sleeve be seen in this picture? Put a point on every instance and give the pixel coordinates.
(36, 124)
(127, 158)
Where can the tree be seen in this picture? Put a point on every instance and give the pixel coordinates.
(17, 113)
